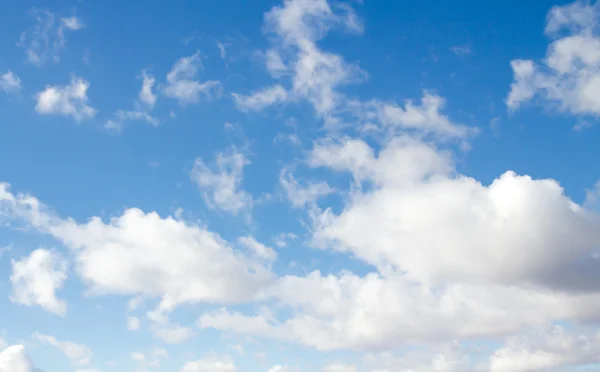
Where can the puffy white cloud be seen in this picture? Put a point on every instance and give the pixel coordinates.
(46, 39)
(210, 365)
(222, 186)
(14, 359)
(261, 99)
(143, 254)
(182, 84)
(36, 278)
(279, 368)
(544, 351)
(146, 94)
(78, 354)
(314, 74)
(569, 76)
(10, 83)
(133, 323)
(257, 248)
(300, 195)
(68, 100)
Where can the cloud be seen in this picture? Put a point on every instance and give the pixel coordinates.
(133, 323)
(261, 99)
(36, 278)
(143, 254)
(121, 116)
(257, 248)
(181, 83)
(339, 367)
(299, 195)
(569, 77)
(313, 74)
(221, 187)
(548, 350)
(461, 50)
(146, 95)
(10, 83)
(210, 365)
(46, 39)
(14, 359)
(150, 360)
(80, 355)
(68, 100)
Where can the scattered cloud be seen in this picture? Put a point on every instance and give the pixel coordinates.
(300, 195)
(10, 83)
(146, 95)
(68, 100)
(257, 248)
(461, 50)
(210, 365)
(15, 359)
(261, 99)
(133, 323)
(36, 278)
(80, 355)
(221, 187)
(46, 39)
(182, 84)
(568, 79)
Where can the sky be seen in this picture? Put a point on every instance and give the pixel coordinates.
(299, 186)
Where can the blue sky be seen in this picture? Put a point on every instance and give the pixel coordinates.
(299, 185)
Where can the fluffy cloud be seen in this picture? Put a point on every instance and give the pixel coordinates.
(36, 278)
(68, 100)
(14, 359)
(45, 40)
(182, 84)
(210, 365)
(133, 323)
(569, 76)
(222, 186)
(143, 254)
(339, 367)
(549, 350)
(10, 83)
(122, 116)
(150, 360)
(79, 355)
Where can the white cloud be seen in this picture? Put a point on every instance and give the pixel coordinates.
(14, 359)
(210, 365)
(569, 76)
(281, 240)
(68, 100)
(300, 195)
(339, 367)
(172, 333)
(257, 101)
(257, 248)
(146, 95)
(181, 83)
(549, 350)
(121, 116)
(36, 278)
(279, 368)
(150, 360)
(133, 323)
(221, 187)
(461, 50)
(46, 39)
(447, 358)
(315, 75)
(143, 254)
(10, 83)
(78, 354)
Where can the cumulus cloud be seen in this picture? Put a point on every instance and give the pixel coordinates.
(260, 99)
(67, 100)
(80, 355)
(222, 187)
(182, 84)
(133, 323)
(46, 38)
(569, 76)
(10, 83)
(210, 365)
(149, 360)
(301, 195)
(36, 278)
(140, 253)
(15, 359)
(257, 248)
